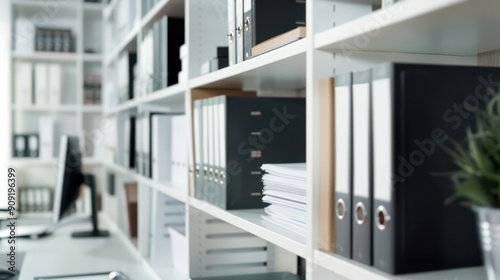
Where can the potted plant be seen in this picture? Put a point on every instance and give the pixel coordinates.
(477, 181)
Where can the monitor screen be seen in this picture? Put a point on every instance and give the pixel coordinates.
(69, 177)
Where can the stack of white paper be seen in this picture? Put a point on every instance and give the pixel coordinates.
(285, 191)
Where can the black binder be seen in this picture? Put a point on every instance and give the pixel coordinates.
(343, 165)
(253, 131)
(131, 143)
(362, 170)
(32, 145)
(19, 146)
(264, 19)
(415, 109)
(175, 39)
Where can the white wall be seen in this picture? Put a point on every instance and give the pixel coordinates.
(5, 94)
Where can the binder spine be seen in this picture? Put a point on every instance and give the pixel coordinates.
(132, 145)
(383, 155)
(156, 55)
(248, 42)
(362, 184)
(231, 30)
(164, 52)
(205, 148)
(343, 165)
(197, 148)
(146, 145)
(223, 147)
(239, 31)
(211, 144)
(155, 145)
(33, 145)
(216, 149)
(138, 143)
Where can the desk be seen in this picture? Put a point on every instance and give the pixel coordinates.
(59, 254)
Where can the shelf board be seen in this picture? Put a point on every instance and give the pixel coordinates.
(172, 93)
(282, 68)
(94, 7)
(33, 6)
(92, 57)
(130, 104)
(169, 273)
(120, 169)
(92, 108)
(122, 45)
(46, 56)
(251, 221)
(163, 187)
(447, 27)
(171, 8)
(108, 9)
(350, 269)
(91, 161)
(47, 109)
(38, 162)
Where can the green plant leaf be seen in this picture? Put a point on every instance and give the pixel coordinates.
(460, 159)
(492, 176)
(473, 191)
(491, 104)
(482, 162)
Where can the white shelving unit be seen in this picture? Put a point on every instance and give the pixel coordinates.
(339, 40)
(71, 116)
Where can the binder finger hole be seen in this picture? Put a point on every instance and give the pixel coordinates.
(360, 213)
(382, 218)
(341, 209)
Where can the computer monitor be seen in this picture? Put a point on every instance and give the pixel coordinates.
(69, 180)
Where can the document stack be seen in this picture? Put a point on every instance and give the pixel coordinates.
(285, 191)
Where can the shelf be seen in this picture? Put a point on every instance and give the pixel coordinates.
(34, 6)
(125, 106)
(283, 68)
(120, 169)
(91, 161)
(94, 7)
(352, 270)
(124, 44)
(92, 57)
(251, 221)
(59, 108)
(108, 9)
(163, 187)
(46, 56)
(172, 93)
(169, 273)
(92, 108)
(47, 109)
(38, 162)
(449, 27)
(171, 8)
